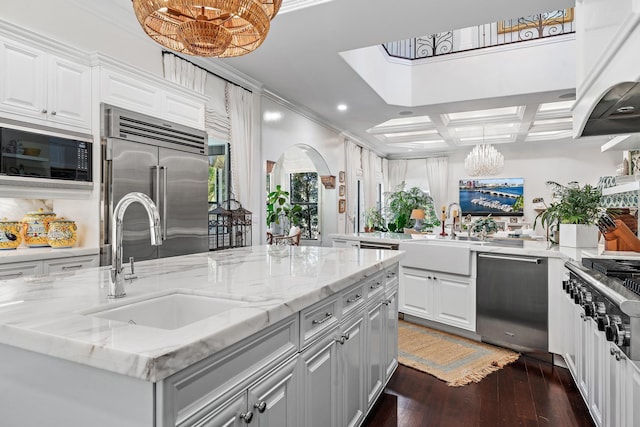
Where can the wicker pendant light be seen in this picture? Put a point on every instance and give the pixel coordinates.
(221, 28)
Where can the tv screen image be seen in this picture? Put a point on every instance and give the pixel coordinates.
(495, 196)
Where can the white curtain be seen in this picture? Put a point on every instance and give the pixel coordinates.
(438, 178)
(353, 169)
(184, 73)
(385, 175)
(369, 177)
(240, 104)
(217, 124)
(397, 173)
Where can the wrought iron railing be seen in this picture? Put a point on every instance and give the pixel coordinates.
(542, 25)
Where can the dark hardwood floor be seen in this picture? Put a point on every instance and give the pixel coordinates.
(525, 393)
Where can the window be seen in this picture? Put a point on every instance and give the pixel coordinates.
(219, 172)
(304, 192)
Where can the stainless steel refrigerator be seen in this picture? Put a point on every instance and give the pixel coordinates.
(167, 162)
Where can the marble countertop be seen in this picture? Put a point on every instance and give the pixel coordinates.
(24, 253)
(377, 236)
(525, 247)
(44, 314)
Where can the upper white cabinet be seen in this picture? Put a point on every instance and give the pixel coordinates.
(43, 88)
(129, 88)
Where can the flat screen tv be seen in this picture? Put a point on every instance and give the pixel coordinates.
(495, 196)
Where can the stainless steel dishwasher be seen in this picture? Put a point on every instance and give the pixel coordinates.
(512, 305)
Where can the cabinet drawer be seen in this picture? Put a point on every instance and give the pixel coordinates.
(376, 285)
(391, 274)
(70, 264)
(191, 393)
(317, 319)
(20, 269)
(353, 298)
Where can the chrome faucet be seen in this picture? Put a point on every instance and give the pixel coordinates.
(116, 284)
(453, 226)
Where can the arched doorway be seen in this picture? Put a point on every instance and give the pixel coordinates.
(298, 171)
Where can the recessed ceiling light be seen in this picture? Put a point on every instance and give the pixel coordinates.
(405, 113)
(272, 116)
(342, 107)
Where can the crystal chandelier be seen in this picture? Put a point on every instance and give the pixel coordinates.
(221, 28)
(484, 160)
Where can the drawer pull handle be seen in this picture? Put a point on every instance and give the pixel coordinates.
(326, 317)
(246, 417)
(343, 338)
(72, 267)
(376, 285)
(354, 299)
(261, 406)
(11, 276)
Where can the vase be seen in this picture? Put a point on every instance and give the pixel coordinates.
(579, 235)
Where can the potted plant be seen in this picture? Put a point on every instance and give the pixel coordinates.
(573, 213)
(280, 213)
(401, 202)
(483, 227)
(373, 220)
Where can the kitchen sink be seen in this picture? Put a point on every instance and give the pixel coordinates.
(171, 311)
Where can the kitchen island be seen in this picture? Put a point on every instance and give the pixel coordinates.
(291, 312)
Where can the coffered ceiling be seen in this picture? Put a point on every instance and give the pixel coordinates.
(301, 62)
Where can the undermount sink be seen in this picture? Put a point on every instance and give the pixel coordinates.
(171, 311)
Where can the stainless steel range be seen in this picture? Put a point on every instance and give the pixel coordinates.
(609, 292)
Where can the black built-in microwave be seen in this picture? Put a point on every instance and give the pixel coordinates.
(37, 155)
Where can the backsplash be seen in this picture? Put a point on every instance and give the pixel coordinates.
(15, 209)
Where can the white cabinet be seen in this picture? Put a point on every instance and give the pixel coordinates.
(345, 368)
(28, 268)
(44, 88)
(455, 299)
(269, 402)
(416, 293)
(69, 264)
(320, 380)
(614, 387)
(445, 298)
(631, 403)
(20, 269)
(351, 354)
(273, 400)
(376, 354)
(129, 88)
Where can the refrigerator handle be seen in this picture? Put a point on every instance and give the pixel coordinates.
(164, 202)
(156, 185)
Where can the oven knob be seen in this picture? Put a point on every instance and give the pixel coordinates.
(601, 309)
(622, 334)
(603, 322)
(609, 332)
(565, 283)
(588, 309)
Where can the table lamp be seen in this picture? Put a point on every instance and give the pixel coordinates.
(418, 215)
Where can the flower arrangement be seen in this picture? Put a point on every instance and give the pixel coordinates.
(484, 226)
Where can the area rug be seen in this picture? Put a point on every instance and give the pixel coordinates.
(457, 361)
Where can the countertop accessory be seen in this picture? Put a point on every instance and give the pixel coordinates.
(35, 226)
(62, 233)
(418, 215)
(10, 237)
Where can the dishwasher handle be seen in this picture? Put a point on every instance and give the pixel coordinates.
(511, 258)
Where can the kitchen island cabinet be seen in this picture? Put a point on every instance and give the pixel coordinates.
(275, 359)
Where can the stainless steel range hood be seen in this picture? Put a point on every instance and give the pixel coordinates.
(617, 112)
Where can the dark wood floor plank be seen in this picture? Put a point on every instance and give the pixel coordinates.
(525, 393)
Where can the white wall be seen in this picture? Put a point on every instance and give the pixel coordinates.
(292, 129)
(537, 164)
(91, 26)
